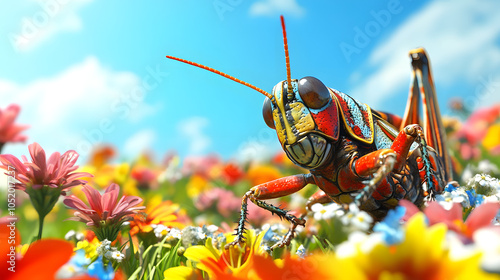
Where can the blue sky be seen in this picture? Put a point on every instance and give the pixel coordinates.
(88, 72)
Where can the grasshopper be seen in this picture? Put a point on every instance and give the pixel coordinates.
(353, 153)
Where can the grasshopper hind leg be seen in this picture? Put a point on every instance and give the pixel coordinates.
(422, 90)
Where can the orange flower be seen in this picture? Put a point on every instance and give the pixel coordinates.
(165, 213)
(101, 155)
(318, 266)
(262, 173)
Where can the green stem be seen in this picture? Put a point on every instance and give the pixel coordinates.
(40, 226)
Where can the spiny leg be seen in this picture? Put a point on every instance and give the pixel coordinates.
(283, 214)
(274, 189)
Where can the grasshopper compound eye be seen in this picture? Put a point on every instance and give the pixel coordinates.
(313, 92)
(267, 113)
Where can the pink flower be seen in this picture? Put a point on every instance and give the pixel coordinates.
(201, 165)
(44, 180)
(10, 132)
(105, 214)
(56, 172)
(480, 217)
(226, 202)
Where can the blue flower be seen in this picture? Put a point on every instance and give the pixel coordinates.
(79, 259)
(97, 269)
(479, 199)
(390, 227)
(450, 187)
(472, 197)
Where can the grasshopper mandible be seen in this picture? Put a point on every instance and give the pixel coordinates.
(353, 153)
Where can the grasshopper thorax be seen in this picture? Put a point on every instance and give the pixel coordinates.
(305, 117)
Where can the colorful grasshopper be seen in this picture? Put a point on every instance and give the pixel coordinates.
(353, 153)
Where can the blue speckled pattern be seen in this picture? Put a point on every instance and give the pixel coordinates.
(357, 117)
(381, 139)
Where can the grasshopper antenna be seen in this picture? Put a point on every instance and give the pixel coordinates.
(222, 74)
(287, 58)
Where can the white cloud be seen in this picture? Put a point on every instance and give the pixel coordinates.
(191, 130)
(139, 142)
(76, 108)
(276, 7)
(461, 38)
(255, 151)
(46, 20)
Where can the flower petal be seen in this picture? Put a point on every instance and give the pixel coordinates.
(482, 216)
(35, 261)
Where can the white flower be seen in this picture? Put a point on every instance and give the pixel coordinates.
(114, 255)
(326, 212)
(350, 247)
(467, 174)
(301, 251)
(488, 241)
(70, 235)
(160, 231)
(484, 184)
(362, 221)
(174, 234)
(485, 166)
(110, 253)
(356, 218)
(118, 256)
(457, 196)
(104, 247)
(79, 236)
(212, 228)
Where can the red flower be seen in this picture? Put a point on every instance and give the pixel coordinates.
(232, 173)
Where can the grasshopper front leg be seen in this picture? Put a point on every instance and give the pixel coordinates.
(274, 189)
(377, 165)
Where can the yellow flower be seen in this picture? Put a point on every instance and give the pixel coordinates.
(233, 263)
(89, 247)
(422, 255)
(182, 273)
(492, 138)
(196, 185)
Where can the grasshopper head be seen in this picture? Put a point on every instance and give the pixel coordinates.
(305, 117)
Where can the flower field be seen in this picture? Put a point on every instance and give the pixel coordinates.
(166, 217)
